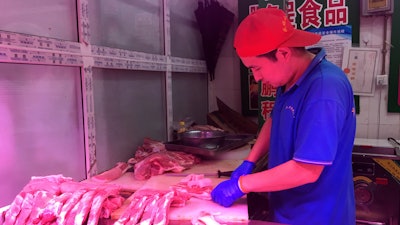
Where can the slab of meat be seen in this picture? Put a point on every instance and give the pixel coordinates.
(26, 208)
(69, 205)
(205, 218)
(41, 199)
(126, 215)
(157, 160)
(14, 210)
(164, 204)
(150, 210)
(149, 206)
(111, 204)
(58, 200)
(50, 213)
(195, 185)
(113, 173)
(79, 213)
(184, 159)
(148, 147)
(98, 204)
(138, 203)
(48, 184)
(152, 158)
(73, 186)
(161, 162)
(3, 214)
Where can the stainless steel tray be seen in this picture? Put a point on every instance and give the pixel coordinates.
(231, 141)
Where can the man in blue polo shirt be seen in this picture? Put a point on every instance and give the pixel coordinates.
(309, 136)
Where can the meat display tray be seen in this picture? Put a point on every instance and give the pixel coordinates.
(231, 141)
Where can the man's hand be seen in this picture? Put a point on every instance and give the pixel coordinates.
(245, 168)
(227, 192)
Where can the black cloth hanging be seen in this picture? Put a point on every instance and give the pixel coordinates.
(214, 22)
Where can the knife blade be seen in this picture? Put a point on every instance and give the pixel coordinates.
(218, 174)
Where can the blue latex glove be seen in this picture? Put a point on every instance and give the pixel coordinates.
(227, 192)
(245, 168)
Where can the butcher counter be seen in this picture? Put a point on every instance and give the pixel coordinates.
(236, 214)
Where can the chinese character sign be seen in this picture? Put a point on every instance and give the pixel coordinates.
(305, 14)
(267, 100)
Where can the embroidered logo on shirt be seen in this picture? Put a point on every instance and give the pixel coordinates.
(291, 109)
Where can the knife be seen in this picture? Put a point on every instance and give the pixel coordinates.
(218, 174)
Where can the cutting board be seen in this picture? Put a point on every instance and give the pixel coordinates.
(194, 207)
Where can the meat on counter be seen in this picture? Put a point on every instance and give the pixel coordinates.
(57, 199)
(152, 158)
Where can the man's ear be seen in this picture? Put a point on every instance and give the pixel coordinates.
(283, 53)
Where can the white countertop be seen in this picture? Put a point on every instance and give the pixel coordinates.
(373, 142)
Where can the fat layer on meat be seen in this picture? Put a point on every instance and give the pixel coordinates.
(43, 201)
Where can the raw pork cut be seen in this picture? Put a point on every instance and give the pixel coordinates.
(56, 200)
(25, 209)
(50, 213)
(99, 203)
(113, 173)
(150, 210)
(150, 207)
(195, 185)
(205, 218)
(161, 217)
(161, 162)
(152, 158)
(133, 212)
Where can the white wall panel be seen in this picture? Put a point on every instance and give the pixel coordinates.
(374, 121)
(186, 39)
(113, 88)
(131, 25)
(41, 122)
(129, 105)
(48, 18)
(190, 97)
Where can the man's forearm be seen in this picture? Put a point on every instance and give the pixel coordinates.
(261, 146)
(287, 175)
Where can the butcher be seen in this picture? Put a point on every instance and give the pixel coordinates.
(310, 134)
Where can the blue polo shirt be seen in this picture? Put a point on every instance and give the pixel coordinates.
(314, 122)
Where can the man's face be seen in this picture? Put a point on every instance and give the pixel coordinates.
(266, 70)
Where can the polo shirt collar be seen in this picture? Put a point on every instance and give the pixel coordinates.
(317, 59)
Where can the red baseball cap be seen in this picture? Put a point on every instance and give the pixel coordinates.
(267, 29)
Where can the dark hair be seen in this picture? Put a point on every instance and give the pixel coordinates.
(272, 54)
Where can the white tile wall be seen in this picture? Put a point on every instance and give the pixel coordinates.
(374, 122)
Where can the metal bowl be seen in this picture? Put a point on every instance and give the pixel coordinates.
(203, 138)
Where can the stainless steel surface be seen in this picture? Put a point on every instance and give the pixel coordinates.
(395, 144)
(374, 151)
(364, 222)
(203, 138)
